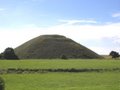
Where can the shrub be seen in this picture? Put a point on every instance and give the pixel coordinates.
(2, 84)
(64, 57)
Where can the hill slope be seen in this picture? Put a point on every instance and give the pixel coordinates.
(53, 46)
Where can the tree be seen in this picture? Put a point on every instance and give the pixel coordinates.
(9, 54)
(1, 55)
(114, 54)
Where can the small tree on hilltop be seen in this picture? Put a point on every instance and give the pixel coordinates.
(9, 54)
(114, 54)
(64, 57)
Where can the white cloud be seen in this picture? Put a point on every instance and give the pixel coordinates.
(83, 34)
(116, 15)
(78, 21)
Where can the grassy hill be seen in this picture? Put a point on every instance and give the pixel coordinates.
(53, 46)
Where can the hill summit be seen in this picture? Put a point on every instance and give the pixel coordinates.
(53, 46)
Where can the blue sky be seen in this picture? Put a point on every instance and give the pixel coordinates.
(48, 12)
(81, 20)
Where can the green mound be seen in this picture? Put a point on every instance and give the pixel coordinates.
(53, 46)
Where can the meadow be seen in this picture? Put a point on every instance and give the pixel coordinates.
(59, 63)
(109, 80)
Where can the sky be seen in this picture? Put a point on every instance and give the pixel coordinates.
(92, 23)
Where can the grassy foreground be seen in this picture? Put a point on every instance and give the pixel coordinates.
(62, 81)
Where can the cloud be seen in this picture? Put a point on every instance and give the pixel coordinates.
(99, 38)
(116, 15)
(77, 21)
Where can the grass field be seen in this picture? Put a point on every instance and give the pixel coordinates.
(62, 81)
(55, 64)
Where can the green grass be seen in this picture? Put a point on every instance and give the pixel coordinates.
(63, 81)
(63, 64)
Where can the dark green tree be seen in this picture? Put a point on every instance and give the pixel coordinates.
(9, 54)
(114, 54)
(1, 56)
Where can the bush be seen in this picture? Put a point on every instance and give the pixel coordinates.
(64, 57)
(2, 84)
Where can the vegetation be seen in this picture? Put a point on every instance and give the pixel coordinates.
(9, 54)
(60, 64)
(64, 57)
(52, 47)
(1, 84)
(62, 81)
(114, 54)
(1, 55)
(105, 80)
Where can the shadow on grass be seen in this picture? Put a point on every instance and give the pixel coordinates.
(21, 71)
